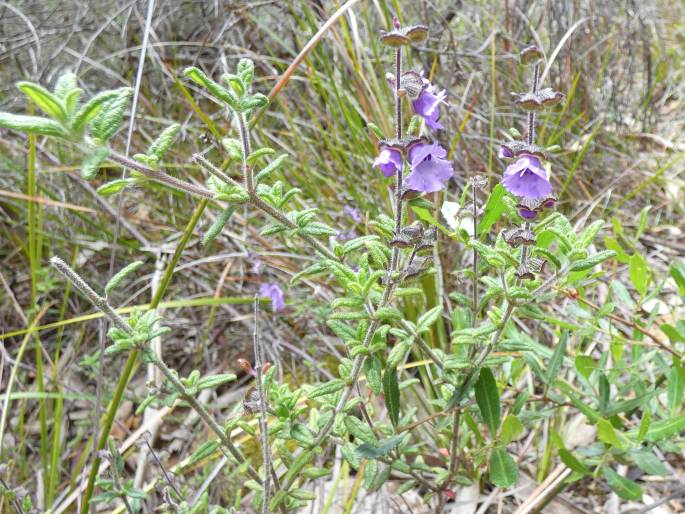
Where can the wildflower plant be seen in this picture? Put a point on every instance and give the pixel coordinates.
(461, 431)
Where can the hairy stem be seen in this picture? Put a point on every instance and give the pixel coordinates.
(263, 429)
(102, 304)
(531, 114)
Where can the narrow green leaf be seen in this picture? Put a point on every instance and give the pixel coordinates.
(391, 391)
(493, 210)
(649, 463)
(427, 319)
(48, 103)
(219, 224)
(503, 470)
(487, 397)
(607, 434)
(663, 429)
(92, 107)
(645, 423)
(113, 187)
(32, 124)
(369, 451)
(557, 358)
(585, 365)
(624, 487)
(121, 275)
(300, 433)
(330, 387)
(592, 261)
(572, 462)
(160, 146)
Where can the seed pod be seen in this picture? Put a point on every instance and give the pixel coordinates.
(408, 236)
(529, 268)
(417, 267)
(404, 35)
(530, 55)
(412, 84)
(428, 239)
(539, 100)
(512, 149)
(518, 236)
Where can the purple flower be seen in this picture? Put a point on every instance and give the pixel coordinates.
(274, 292)
(527, 178)
(352, 213)
(429, 169)
(527, 213)
(426, 105)
(389, 161)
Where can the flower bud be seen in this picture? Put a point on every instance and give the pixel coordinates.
(530, 55)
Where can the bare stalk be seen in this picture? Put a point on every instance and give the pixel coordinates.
(104, 306)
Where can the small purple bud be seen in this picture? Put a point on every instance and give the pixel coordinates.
(396, 22)
(505, 153)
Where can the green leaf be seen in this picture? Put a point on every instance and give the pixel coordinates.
(48, 103)
(503, 470)
(585, 365)
(493, 210)
(373, 369)
(32, 124)
(113, 187)
(246, 71)
(214, 381)
(645, 423)
(427, 319)
(557, 358)
(329, 387)
(639, 273)
(592, 261)
(65, 85)
(107, 121)
(300, 433)
(219, 224)
(624, 487)
(665, 428)
(369, 451)
(220, 92)
(121, 275)
(572, 463)
(676, 384)
(203, 451)
(677, 271)
(92, 107)
(391, 391)
(607, 434)
(160, 146)
(91, 163)
(398, 353)
(649, 463)
(258, 154)
(487, 397)
(512, 428)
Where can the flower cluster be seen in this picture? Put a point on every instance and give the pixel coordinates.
(527, 177)
(429, 169)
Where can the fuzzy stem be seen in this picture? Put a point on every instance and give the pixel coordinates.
(248, 173)
(102, 304)
(263, 429)
(161, 177)
(531, 114)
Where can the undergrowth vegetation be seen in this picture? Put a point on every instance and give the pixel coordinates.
(336, 264)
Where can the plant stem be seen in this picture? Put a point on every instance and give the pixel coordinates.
(248, 174)
(263, 429)
(389, 283)
(531, 114)
(161, 177)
